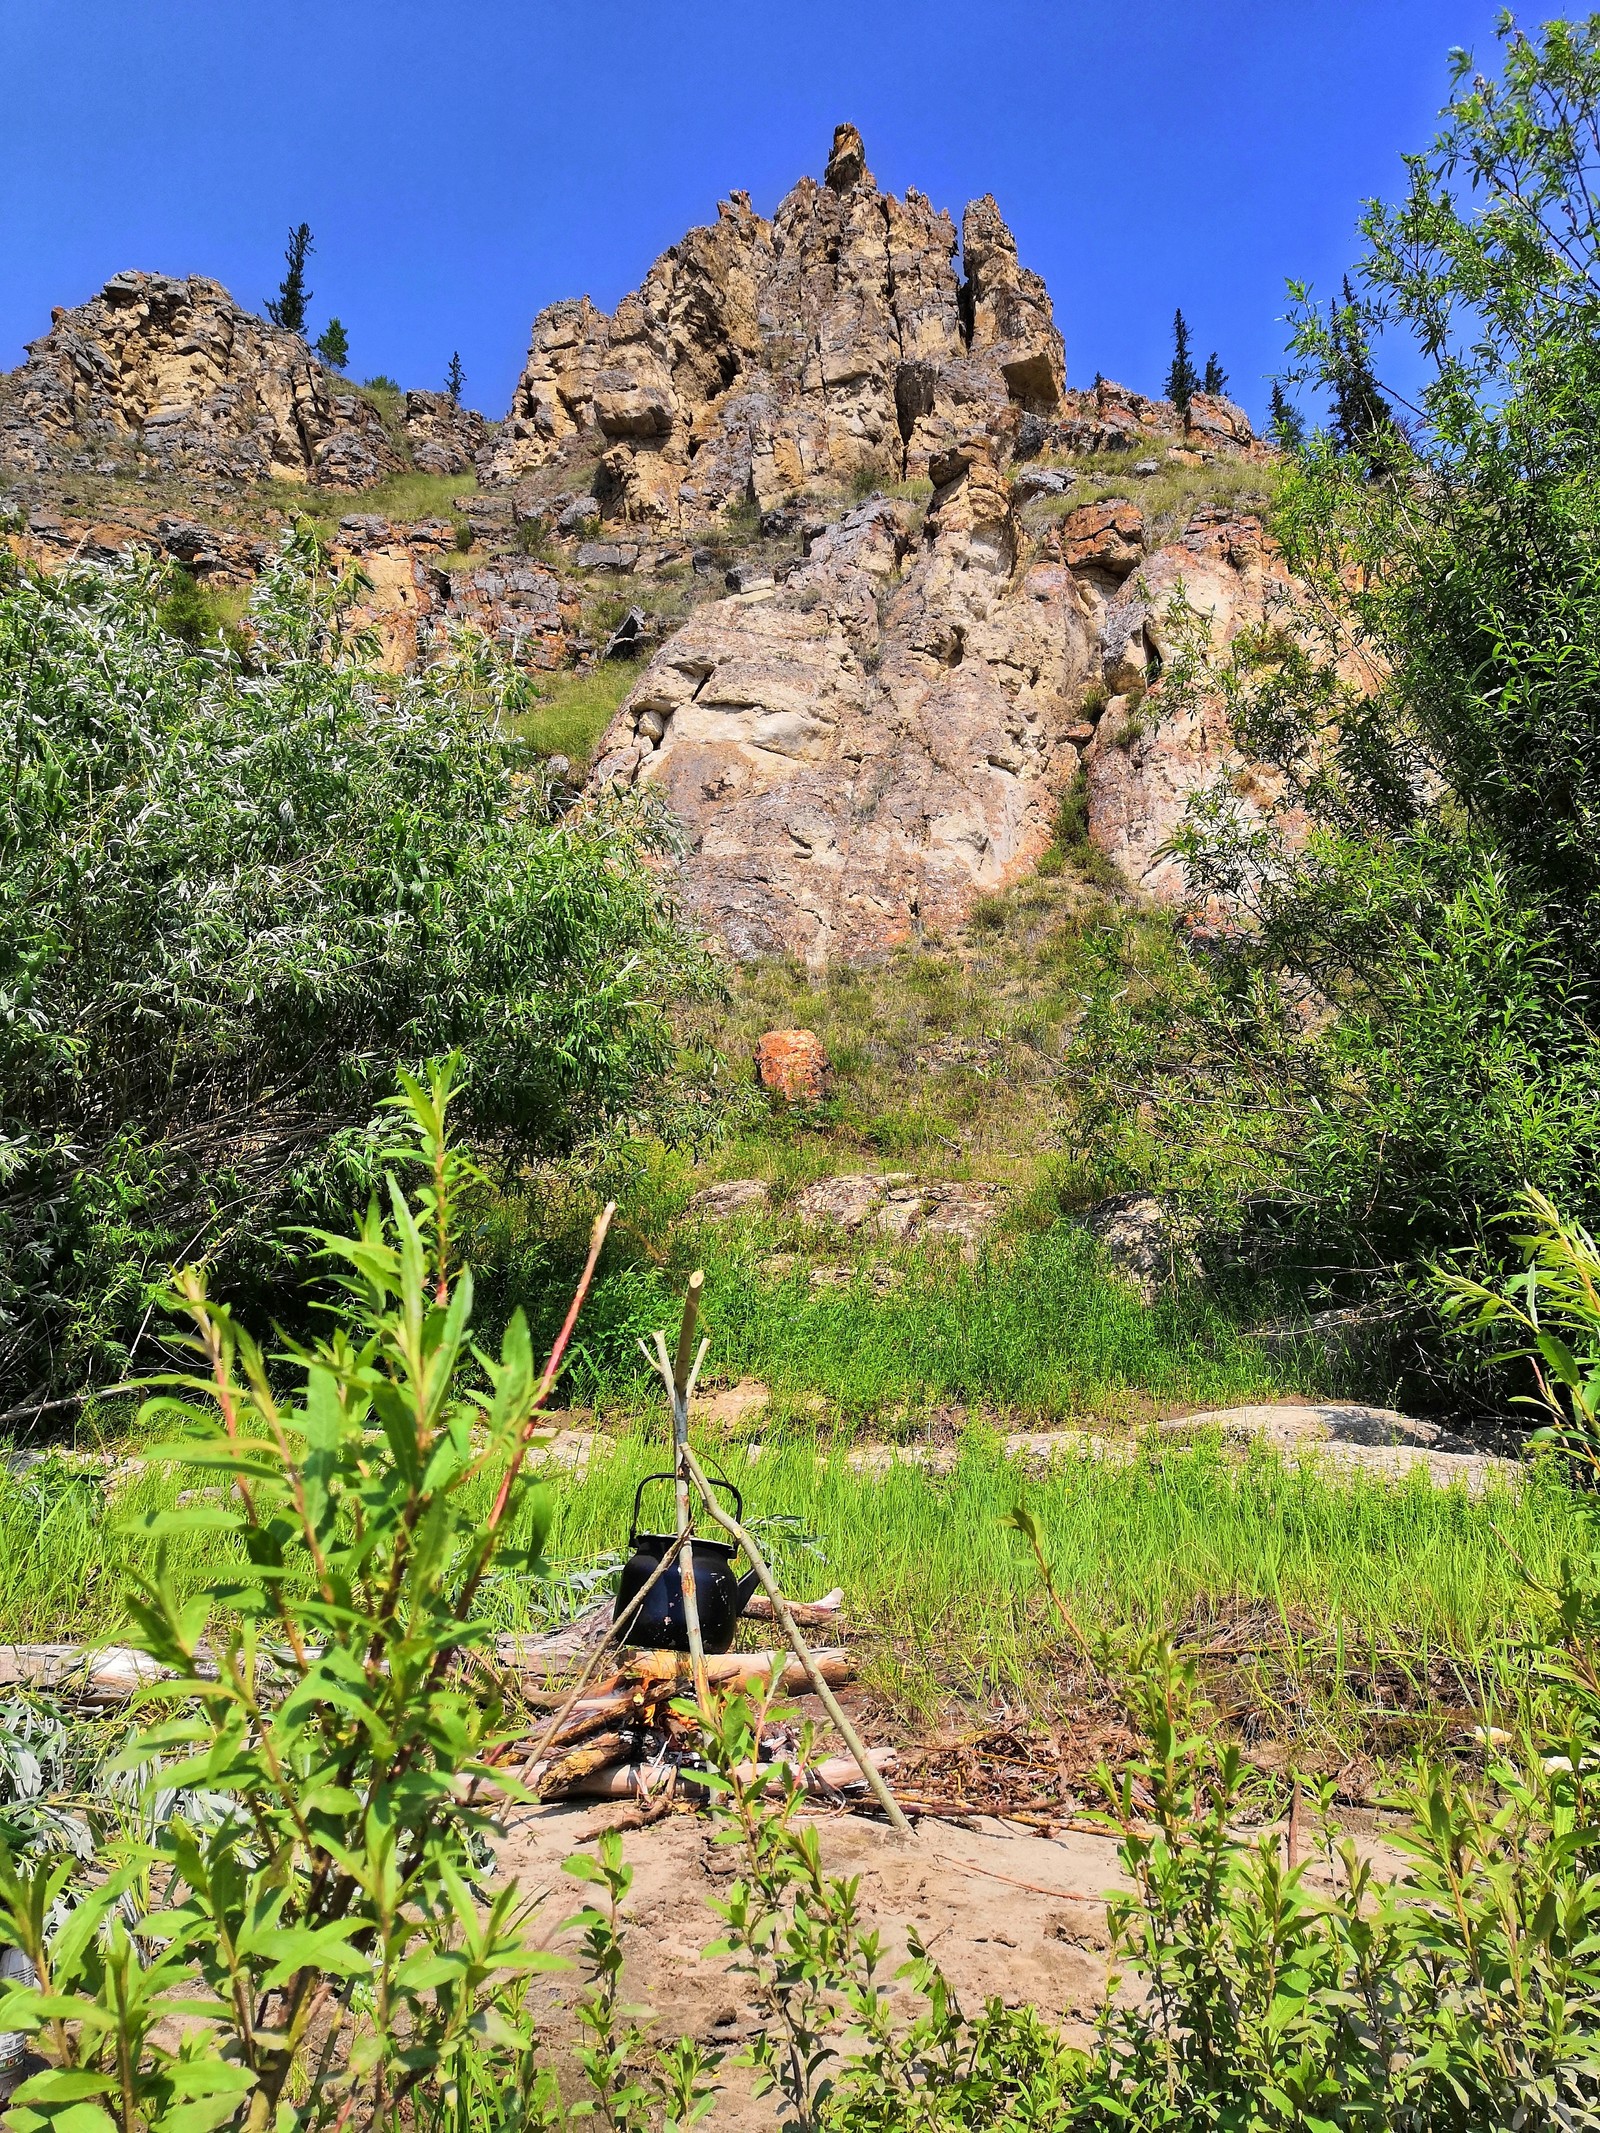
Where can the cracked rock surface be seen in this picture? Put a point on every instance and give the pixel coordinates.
(172, 368)
(757, 356)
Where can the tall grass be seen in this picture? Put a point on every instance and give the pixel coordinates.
(1041, 1330)
(948, 1597)
(575, 709)
(942, 1593)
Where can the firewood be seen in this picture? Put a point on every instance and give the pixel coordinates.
(837, 1773)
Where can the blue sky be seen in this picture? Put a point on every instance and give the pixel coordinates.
(466, 161)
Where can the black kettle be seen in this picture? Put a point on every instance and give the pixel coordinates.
(721, 1597)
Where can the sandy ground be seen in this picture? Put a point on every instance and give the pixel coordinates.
(1004, 1911)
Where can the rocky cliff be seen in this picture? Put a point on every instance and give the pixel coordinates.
(172, 371)
(866, 748)
(847, 341)
(880, 723)
(837, 341)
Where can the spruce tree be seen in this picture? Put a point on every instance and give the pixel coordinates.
(288, 308)
(1363, 421)
(1285, 420)
(1215, 380)
(333, 345)
(455, 378)
(1182, 378)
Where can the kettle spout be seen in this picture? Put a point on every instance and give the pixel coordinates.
(746, 1589)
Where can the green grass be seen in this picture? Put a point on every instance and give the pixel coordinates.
(1168, 499)
(406, 498)
(947, 1598)
(1360, 1575)
(1036, 1331)
(951, 1057)
(575, 711)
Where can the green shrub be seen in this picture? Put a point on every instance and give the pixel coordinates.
(304, 1939)
(234, 899)
(1402, 1016)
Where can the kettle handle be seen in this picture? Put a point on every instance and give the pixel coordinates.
(720, 1479)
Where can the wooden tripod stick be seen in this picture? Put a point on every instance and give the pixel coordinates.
(797, 1644)
(679, 1381)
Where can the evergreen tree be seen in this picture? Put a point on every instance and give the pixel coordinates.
(334, 345)
(1285, 420)
(288, 308)
(1215, 380)
(455, 378)
(1183, 379)
(1363, 422)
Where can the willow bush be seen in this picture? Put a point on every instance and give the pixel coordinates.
(238, 888)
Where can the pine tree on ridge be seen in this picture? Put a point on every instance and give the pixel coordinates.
(288, 307)
(1183, 380)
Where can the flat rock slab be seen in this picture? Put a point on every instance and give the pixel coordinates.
(1339, 1434)
(894, 1204)
(1336, 1436)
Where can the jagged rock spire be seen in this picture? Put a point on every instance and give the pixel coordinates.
(847, 160)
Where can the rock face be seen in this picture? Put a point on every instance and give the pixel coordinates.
(414, 603)
(175, 370)
(1145, 763)
(877, 741)
(863, 750)
(444, 438)
(758, 358)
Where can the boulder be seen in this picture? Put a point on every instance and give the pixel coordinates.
(1106, 537)
(170, 369)
(736, 1196)
(1040, 481)
(1135, 1231)
(894, 1205)
(576, 517)
(792, 1064)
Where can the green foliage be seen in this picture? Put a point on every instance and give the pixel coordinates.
(288, 307)
(1215, 380)
(199, 616)
(235, 897)
(455, 379)
(1404, 1025)
(1072, 846)
(317, 1945)
(1286, 424)
(566, 714)
(1467, 1996)
(1553, 1305)
(1183, 380)
(333, 345)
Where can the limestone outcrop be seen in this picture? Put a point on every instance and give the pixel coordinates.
(860, 751)
(444, 438)
(760, 358)
(1148, 759)
(174, 371)
(880, 739)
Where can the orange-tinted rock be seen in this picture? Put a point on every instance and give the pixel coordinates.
(791, 1063)
(1107, 536)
